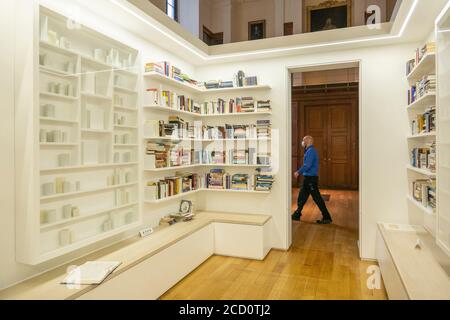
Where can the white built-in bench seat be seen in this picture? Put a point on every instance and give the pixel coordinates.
(152, 265)
(410, 273)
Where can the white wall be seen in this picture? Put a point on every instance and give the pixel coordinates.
(384, 126)
(7, 235)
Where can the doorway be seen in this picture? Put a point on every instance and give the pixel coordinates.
(325, 105)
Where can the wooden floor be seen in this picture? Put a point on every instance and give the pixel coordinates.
(323, 263)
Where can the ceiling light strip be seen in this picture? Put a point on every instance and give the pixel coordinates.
(268, 51)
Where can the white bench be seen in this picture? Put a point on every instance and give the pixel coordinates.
(153, 265)
(410, 273)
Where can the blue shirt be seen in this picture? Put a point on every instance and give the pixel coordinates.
(310, 163)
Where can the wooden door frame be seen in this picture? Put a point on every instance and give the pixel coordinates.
(287, 132)
(332, 98)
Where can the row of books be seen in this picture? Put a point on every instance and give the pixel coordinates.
(425, 157)
(159, 155)
(178, 128)
(426, 85)
(424, 191)
(166, 98)
(237, 82)
(165, 68)
(216, 179)
(420, 53)
(425, 122)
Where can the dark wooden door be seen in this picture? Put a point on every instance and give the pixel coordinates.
(333, 124)
(315, 123)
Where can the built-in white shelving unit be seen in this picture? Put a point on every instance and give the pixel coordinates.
(421, 214)
(87, 188)
(443, 133)
(159, 112)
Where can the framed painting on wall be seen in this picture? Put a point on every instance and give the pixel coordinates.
(257, 30)
(329, 15)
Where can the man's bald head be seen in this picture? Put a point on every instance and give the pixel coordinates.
(308, 141)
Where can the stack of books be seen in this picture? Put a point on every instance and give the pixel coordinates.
(248, 104)
(425, 122)
(240, 182)
(156, 156)
(426, 85)
(424, 158)
(263, 106)
(264, 179)
(424, 191)
(165, 68)
(263, 129)
(172, 186)
(217, 179)
(426, 49)
(212, 84)
(226, 84)
(250, 81)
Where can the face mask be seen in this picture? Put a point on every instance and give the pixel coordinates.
(303, 144)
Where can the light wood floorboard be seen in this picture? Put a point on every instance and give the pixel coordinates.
(323, 263)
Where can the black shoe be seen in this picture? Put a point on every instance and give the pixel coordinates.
(296, 216)
(324, 221)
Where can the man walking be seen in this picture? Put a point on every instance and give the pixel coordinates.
(310, 172)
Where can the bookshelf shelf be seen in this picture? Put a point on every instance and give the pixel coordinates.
(186, 194)
(128, 109)
(419, 205)
(178, 196)
(79, 193)
(58, 121)
(88, 167)
(182, 112)
(58, 145)
(125, 146)
(240, 114)
(170, 139)
(237, 89)
(86, 216)
(96, 96)
(58, 96)
(84, 242)
(425, 67)
(89, 60)
(423, 135)
(96, 131)
(117, 126)
(172, 82)
(173, 168)
(424, 172)
(56, 72)
(209, 166)
(125, 90)
(171, 110)
(57, 49)
(193, 89)
(128, 71)
(427, 100)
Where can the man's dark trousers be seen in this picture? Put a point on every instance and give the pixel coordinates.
(311, 187)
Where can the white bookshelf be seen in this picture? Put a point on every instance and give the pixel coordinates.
(161, 112)
(419, 213)
(80, 184)
(443, 133)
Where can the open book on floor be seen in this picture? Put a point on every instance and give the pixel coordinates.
(92, 272)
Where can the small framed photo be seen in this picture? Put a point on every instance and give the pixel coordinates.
(186, 207)
(257, 30)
